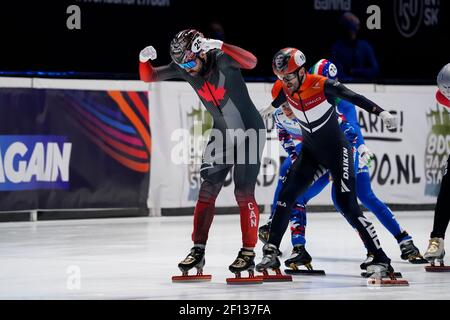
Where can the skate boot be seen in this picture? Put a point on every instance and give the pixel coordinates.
(436, 252)
(245, 261)
(369, 259)
(410, 252)
(195, 259)
(263, 232)
(382, 274)
(300, 257)
(270, 260)
(367, 262)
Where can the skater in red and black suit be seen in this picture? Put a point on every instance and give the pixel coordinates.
(213, 69)
(435, 251)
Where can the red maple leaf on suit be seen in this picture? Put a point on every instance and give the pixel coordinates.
(210, 93)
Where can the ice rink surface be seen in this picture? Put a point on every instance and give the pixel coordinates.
(135, 258)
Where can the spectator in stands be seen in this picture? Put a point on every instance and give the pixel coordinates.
(216, 31)
(354, 58)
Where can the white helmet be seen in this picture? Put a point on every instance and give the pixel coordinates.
(443, 81)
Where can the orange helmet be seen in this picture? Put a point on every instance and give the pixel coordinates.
(286, 61)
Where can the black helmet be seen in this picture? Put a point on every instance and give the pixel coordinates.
(180, 47)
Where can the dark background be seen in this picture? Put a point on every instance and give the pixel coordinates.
(34, 36)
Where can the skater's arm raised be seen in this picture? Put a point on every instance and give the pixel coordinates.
(242, 58)
(335, 89)
(148, 73)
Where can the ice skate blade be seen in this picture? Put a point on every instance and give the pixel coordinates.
(396, 274)
(437, 268)
(192, 278)
(418, 261)
(386, 282)
(247, 280)
(277, 278)
(305, 272)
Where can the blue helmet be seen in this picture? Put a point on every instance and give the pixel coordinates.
(324, 68)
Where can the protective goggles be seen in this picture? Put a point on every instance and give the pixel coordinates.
(287, 78)
(188, 65)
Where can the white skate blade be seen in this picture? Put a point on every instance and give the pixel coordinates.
(396, 274)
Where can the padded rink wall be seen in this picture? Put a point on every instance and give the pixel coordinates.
(139, 161)
(406, 172)
(73, 148)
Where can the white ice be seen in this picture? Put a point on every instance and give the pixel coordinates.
(135, 258)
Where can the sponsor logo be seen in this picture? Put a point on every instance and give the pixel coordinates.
(344, 187)
(312, 101)
(34, 162)
(141, 3)
(333, 5)
(437, 149)
(371, 230)
(345, 168)
(345, 163)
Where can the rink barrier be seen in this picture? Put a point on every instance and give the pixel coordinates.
(406, 169)
(170, 212)
(44, 215)
(38, 215)
(410, 184)
(103, 127)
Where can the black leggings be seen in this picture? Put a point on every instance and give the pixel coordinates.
(442, 210)
(334, 153)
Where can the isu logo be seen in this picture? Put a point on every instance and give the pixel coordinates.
(408, 16)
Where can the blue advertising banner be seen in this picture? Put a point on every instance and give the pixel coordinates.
(73, 149)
